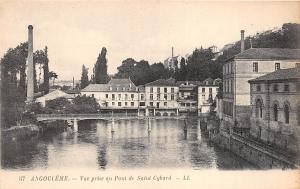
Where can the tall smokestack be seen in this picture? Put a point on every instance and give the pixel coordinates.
(172, 52)
(30, 75)
(242, 41)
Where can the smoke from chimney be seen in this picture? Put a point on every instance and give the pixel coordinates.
(242, 41)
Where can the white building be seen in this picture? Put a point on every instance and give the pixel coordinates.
(161, 98)
(119, 94)
(207, 93)
(53, 95)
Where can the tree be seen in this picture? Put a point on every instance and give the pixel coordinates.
(46, 85)
(126, 68)
(40, 58)
(53, 75)
(85, 104)
(100, 69)
(84, 77)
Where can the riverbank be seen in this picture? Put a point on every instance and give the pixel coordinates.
(31, 130)
(253, 151)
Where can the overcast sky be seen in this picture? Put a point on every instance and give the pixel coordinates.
(76, 32)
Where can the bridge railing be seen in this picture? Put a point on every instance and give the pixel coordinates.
(88, 115)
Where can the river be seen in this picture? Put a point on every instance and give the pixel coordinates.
(130, 146)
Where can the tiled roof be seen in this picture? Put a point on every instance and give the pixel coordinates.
(282, 74)
(125, 81)
(114, 85)
(55, 94)
(269, 54)
(187, 83)
(161, 82)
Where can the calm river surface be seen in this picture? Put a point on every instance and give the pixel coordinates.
(129, 146)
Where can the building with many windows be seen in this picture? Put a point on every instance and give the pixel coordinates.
(247, 65)
(275, 108)
(188, 96)
(119, 94)
(207, 93)
(161, 97)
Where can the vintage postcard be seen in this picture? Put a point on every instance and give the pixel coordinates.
(150, 94)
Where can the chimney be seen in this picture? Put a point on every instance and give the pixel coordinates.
(30, 82)
(172, 52)
(242, 41)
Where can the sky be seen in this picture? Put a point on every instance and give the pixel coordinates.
(75, 32)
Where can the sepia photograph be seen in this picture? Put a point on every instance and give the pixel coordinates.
(143, 94)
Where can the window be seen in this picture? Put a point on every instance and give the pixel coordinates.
(203, 97)
(158, 96)
(275, 112)
(258, 87)
(93, 95)
(132, 103)
(158, 89)
(126, 96)
(258, 108)
(142, 103)
(106, 95)
(119, 96)
(210, 90)
(165, 97)
(119, 104)
(277, 66)
(286, 114)
(228, 108)
(286, 88)
(126, 103)
(172, 97)
(142, 97)
(132, 96)
(255, 67)
(113, 103)
(151, 89)
(203, 90)
(151, 104)
(275, 88)
(165, 104)
(151, 96)
(172, 90)
(165, 90)
(113, 96)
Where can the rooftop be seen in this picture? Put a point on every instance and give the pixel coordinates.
(269, 54)
(281, 74)
(112, 85)
(162, 82)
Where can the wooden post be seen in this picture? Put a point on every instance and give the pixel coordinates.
(149, 124)
(75, 125)
(112, 125)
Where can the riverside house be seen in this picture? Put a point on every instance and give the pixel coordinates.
(238, 70)
(275, 105)
(118, 95)
(161, 97)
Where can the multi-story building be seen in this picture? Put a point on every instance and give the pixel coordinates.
(207, 93)
(275, 105)
(247, 65)
(119, 94)
(161, 98)
(188, 96)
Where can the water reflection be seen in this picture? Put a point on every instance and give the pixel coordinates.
(121, 144)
